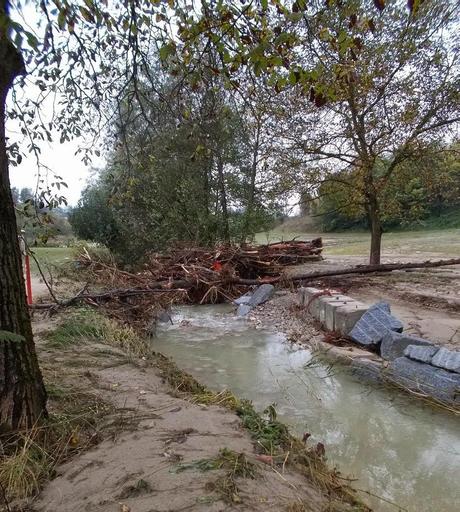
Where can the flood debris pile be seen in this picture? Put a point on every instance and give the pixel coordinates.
(242, 261)
(187, 274)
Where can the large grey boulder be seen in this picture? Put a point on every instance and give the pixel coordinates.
(374, 324)
(447, 359)
(425, 378)
(367, 369)
(419, 353)
(243, 309)
(244, 299)
(393, 344)
(261, 294)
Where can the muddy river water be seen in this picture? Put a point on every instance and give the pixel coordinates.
(395, 447)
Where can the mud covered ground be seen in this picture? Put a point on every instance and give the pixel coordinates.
(152, 448)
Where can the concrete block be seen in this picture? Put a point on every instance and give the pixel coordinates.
(423, 377)
(327, 306)
(336, 312)
(374, 324)
(346, 316)
(393, 344)
(447, 359)
(419, 353)
(309, 298)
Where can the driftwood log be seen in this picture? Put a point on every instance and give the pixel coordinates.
(178, 285)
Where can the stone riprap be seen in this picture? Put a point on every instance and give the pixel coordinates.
(415, 363)
(335, 311)
(394, 343)
(419, 353)
(447, 359)
(374, 325)
(260, 295)
(425, 378)
(368, 369)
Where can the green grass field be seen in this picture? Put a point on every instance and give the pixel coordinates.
(50, 256)
(444, 242)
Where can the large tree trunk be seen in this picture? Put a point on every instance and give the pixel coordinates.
(223, 199)
(252, 186)
(375, 226)
(22, 393)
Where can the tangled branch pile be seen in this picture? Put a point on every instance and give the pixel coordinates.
(235, 261)
(192, 274)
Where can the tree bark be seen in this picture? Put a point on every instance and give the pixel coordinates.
(223, 199)
(22, 392)
(375, 226)
(252, 185)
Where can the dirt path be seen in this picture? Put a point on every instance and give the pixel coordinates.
(153, 442)
(39, 288)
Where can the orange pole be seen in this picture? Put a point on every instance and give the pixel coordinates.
(28, 279)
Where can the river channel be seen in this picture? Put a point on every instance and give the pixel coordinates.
(394, 446)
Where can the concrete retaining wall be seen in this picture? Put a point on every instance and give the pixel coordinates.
(414, 363)
(335, 311)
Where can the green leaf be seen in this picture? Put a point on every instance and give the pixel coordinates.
(61, 19)
(167, 50)
(11, 337)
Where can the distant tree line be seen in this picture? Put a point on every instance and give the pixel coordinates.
(36, 221)
(426, 190)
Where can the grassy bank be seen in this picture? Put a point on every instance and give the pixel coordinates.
(50, 256)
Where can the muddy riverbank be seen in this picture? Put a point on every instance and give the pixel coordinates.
(153, 438)
(390, 443)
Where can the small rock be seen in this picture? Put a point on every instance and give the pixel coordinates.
(164, 317)
(244, 299)
(419, 353)
(447, 359)
(261, 294)
(393, 344)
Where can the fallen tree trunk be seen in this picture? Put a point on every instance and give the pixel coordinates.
(119, 293)
(178, 285)
(359, 269)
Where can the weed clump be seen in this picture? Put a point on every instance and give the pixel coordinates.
(29, 458)
(236, 465)
(269, 433)
(86, 324)
(178, 379)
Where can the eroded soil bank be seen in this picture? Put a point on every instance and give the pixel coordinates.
(162, 442)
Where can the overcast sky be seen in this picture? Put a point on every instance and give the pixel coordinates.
(62, 160)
